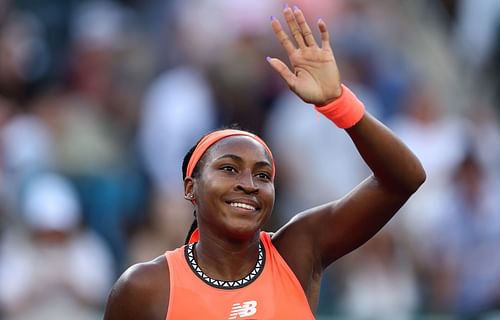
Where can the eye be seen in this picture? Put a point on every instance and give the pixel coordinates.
(264, 176)
(228, 168)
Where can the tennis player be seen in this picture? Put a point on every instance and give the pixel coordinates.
(230, 268)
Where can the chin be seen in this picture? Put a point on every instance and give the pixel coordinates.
(244, 232)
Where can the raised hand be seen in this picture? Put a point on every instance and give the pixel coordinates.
(314, 74)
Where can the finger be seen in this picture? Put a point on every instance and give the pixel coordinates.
(325, 36)
(282, 36)
(304, 27)
(283, 70)
(294, 27)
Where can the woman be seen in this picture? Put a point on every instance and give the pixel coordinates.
(232, 270)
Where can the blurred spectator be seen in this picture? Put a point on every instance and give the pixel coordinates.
(493, 71)
(428, 130)
(6, 110)
(438, 139)
(240, 83)
(53, 268)
(26, 148)
(368, 39)
(483, 131)
(223, 23)
(379, 281)
(97, 117)
(24, 55)
(476, 27)
(467, 271)
(178, 109)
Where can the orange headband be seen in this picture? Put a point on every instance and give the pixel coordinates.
(208, 140)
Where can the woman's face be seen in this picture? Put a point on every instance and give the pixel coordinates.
(234, 192)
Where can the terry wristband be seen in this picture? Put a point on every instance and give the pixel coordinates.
(345, 111)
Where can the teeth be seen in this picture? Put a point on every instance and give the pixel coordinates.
(242, 205)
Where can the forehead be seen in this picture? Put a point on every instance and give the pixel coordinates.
(244, 147)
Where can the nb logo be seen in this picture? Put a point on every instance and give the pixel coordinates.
(243, 310)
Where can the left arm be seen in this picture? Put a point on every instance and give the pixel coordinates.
(323, 234)
(330, 231)
(396, 175)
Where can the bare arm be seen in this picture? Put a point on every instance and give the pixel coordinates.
(325, 233)
(355, 218)
(140, 293)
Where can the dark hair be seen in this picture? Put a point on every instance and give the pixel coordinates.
(196, 172)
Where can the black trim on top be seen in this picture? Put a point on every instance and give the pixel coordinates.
(223, 284)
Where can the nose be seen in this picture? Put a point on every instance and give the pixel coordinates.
(246, 183)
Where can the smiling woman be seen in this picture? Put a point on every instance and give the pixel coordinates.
(230, 268)
(237, 163)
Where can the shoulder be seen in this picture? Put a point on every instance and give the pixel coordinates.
(146, 277)
(141, 292)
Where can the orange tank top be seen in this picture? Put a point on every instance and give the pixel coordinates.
(270, 291)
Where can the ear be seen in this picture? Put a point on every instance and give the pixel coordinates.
(189, 189)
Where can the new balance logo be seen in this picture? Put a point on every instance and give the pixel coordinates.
(243, 310)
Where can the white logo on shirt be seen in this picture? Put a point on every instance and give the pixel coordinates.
(243, 310)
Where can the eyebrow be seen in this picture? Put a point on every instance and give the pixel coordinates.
(239, 159)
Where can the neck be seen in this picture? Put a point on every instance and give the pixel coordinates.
(222, 259)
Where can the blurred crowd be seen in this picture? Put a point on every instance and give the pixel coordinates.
(101, 99)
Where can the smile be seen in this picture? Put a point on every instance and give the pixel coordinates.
(242, 206)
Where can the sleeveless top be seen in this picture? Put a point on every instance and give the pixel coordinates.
(270, 291)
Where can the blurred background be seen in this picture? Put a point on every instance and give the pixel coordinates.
(100, 100)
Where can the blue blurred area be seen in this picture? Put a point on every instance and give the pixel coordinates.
(106, 97)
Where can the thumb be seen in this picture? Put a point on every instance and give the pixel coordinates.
(283, 70)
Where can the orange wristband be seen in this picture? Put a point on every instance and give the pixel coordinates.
(345, 111)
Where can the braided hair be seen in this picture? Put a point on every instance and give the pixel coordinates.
(196, 172)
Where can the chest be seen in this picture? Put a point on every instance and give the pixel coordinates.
(270, 291)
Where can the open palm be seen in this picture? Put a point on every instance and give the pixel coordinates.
(314, 76)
